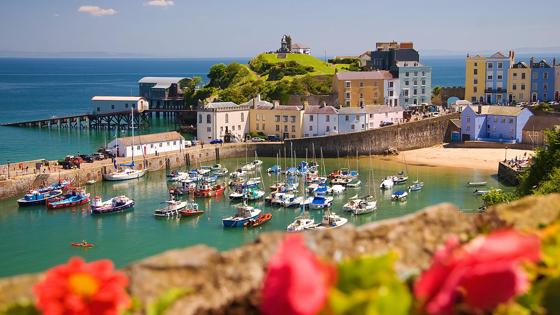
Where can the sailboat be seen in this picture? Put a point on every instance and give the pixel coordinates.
(128, 172)
(417, 184)
(363, 205)
(303, 221)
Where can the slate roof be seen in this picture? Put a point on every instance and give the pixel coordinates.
(299, 46)
(152, 138)
(498, 55)
(373, 109)
(540, 123)
(216, 105)
(316, 109)
(161, 82)
(364, 75)
(498, 110)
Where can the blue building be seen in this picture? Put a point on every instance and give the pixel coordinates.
(542, 81)
(494, 123)
(415, 81)
(497, 67)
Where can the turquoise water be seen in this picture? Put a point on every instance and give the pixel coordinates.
(33, 239)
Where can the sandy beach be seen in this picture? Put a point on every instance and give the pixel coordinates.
(475, 158)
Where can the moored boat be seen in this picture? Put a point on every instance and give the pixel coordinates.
(260, 220)
(124, 174)
(113, 205)
(35, 197)
(320, 202)
(72, 198)
(191, 210)
(171, 209)
(387, 183)
(243, 214)
(474, 184)
(330, 221)
(399, 195)
(205, 189)
(301, 224)
(60, 185)
(416, 186)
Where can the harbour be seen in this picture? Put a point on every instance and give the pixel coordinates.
(37, 238)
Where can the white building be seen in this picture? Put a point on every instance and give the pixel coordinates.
(114, 104)
(320, 121)
(378, 115)
(222, 120)
(351, 119)
(300, 49)
(392, 91)
(147, 144)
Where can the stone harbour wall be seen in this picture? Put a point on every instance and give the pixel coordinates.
(229, 282)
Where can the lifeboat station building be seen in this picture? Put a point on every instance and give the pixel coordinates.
(118, 104)
(147, 144)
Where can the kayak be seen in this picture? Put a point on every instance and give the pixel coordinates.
(82, 245)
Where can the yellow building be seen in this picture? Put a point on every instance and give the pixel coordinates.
(475, 79)
(360, 88)
(519, 83)
(284, 121)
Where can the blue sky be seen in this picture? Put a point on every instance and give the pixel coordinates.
(241, 28)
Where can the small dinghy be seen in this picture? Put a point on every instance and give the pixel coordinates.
(262, 219)
(191, 210)
(475, 184)
(83, 244)
(399, 195)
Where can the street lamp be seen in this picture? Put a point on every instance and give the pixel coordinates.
(8, 169)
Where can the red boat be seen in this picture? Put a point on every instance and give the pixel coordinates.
(82, 244)
(72, 198)
(206, 189)
(262, 219)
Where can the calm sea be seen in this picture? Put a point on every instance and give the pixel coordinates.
(41, 88)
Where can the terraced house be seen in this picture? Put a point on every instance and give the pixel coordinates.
(415, 80)
(355, 89)
(519, 83)
(284, 121)
(494, 123)
(542, 81)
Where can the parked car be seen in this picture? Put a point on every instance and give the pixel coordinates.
(194, 142)
(98, 156)
(435, 114)
(385, 123)
(106, 153)
(216, 141)
(274, 138)
(257, 139)
(87, 158)
(188, 143)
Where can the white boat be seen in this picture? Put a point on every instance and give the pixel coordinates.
(291, 200)
(416, 186)
(251, 166)
(361, 205)
(171, 209)
(204, 170)
(483, 192)
(177, 176)
(278, 199)
(330, 221)
(237, 173)
(91, 182)
(124, 174)
(355, 183)
(474, 184)
(301, 224)
(337, 189)
(387, 183)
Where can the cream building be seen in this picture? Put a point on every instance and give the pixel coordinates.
(222, 120)
(284, 121)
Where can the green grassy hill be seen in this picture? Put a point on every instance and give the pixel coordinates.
(320, 67)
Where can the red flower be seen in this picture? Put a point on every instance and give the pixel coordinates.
(297, 282)
(483, 273)
(79, 288)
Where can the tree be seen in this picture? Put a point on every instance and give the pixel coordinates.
(436, 91)
(545, 161)
(495, 196)
(552, 185)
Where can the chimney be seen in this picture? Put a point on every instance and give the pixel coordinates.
(532, 62)
(305, 105)
(275, 103)
(258, 98)
(554, 62)
(479, 110)
(323, 104)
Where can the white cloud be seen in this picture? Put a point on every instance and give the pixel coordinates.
(160, 3)
(96, 11)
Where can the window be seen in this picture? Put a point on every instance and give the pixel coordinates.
(476, 64)
(361, 84)
(137, 147)
(391, 84)
(347, 117)
(503, 120)
(490, 77)
(415, 82)
(174, 142)
(500, 65)
(499, 76)
(257, 126)
(495, 119)
(328, 118)
(357, 117)
(523, 76)
(310, 128)
(475, 71)
(390, 93)
(227, 118)
(160, 144)
(406, 82)
(406, 74)
(293, 128)
(545, 75)
(535, 75)
(415, 91)
(352, 127)
(523, 86)
(370, 115)
(208, 119)
(113, 106)
(285, 128)
(293, 119)
(277, 118)
(405, 92)
(545, 87)
(233, 128)
(490, 65)
(239, 127)
(511, 120)
(328, 128)
(475, 89)
(423, 90)
(221, 129)
(98, 109)
(347, 102)
(347, 95)
(277, 127)
(468, 119)
(243, 117)
(361, 95)
(514, 87)
(311, 118)
(167, 143)
(424, 81)
(347, 84)
(152, 145)
(208, 129)
(534, 86)
(285, 118)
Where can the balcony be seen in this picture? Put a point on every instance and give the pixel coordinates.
(497, 91)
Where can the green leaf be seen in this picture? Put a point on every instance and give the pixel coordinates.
(369, 285)
(165, 300)
(551, 296)
(20, 308)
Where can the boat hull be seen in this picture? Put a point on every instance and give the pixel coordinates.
(117, 209)
(238, 222)
(67, 204)
(119, 177)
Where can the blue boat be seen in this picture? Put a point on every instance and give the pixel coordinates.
(35, 197)
(113, 205)
(303, 167)
(399, 195)
(71, 199)
(244, 214)
(60, 185)
(275, 169)
(320, 202)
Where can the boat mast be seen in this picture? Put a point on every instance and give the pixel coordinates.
(132, 127)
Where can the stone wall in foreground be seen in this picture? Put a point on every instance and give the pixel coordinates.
(229, 282)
